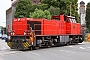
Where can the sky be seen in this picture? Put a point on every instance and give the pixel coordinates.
(5, 4)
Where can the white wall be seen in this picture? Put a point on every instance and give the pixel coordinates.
(9, 20)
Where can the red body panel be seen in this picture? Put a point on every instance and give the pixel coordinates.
(62, 29)
(19, 26)
(78, 28)
(53, 27)
(73, 28)
(68, 28)
(47, 27)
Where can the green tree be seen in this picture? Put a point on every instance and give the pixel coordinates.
(40, 14)
(55, 7)
(64, 6)
(54, 10)
(54, 3)
(42, 6)
(23, 8)
(88, 16)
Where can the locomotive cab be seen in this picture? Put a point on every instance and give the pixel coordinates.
(71, 19)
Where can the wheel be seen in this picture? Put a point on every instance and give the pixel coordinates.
(31, 48)
(36, 47)
(67, 44)
(81, 39)
(51, 43)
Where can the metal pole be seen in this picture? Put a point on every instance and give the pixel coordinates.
(70, 9)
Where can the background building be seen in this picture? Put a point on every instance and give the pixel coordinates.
(82, 13)
(82, 16)
(8, 17)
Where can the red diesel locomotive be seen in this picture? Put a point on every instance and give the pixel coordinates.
(31, 33)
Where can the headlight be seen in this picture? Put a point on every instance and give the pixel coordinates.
(13, 33)
(24, 32)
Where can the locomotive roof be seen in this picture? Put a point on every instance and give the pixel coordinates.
(71, 17)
